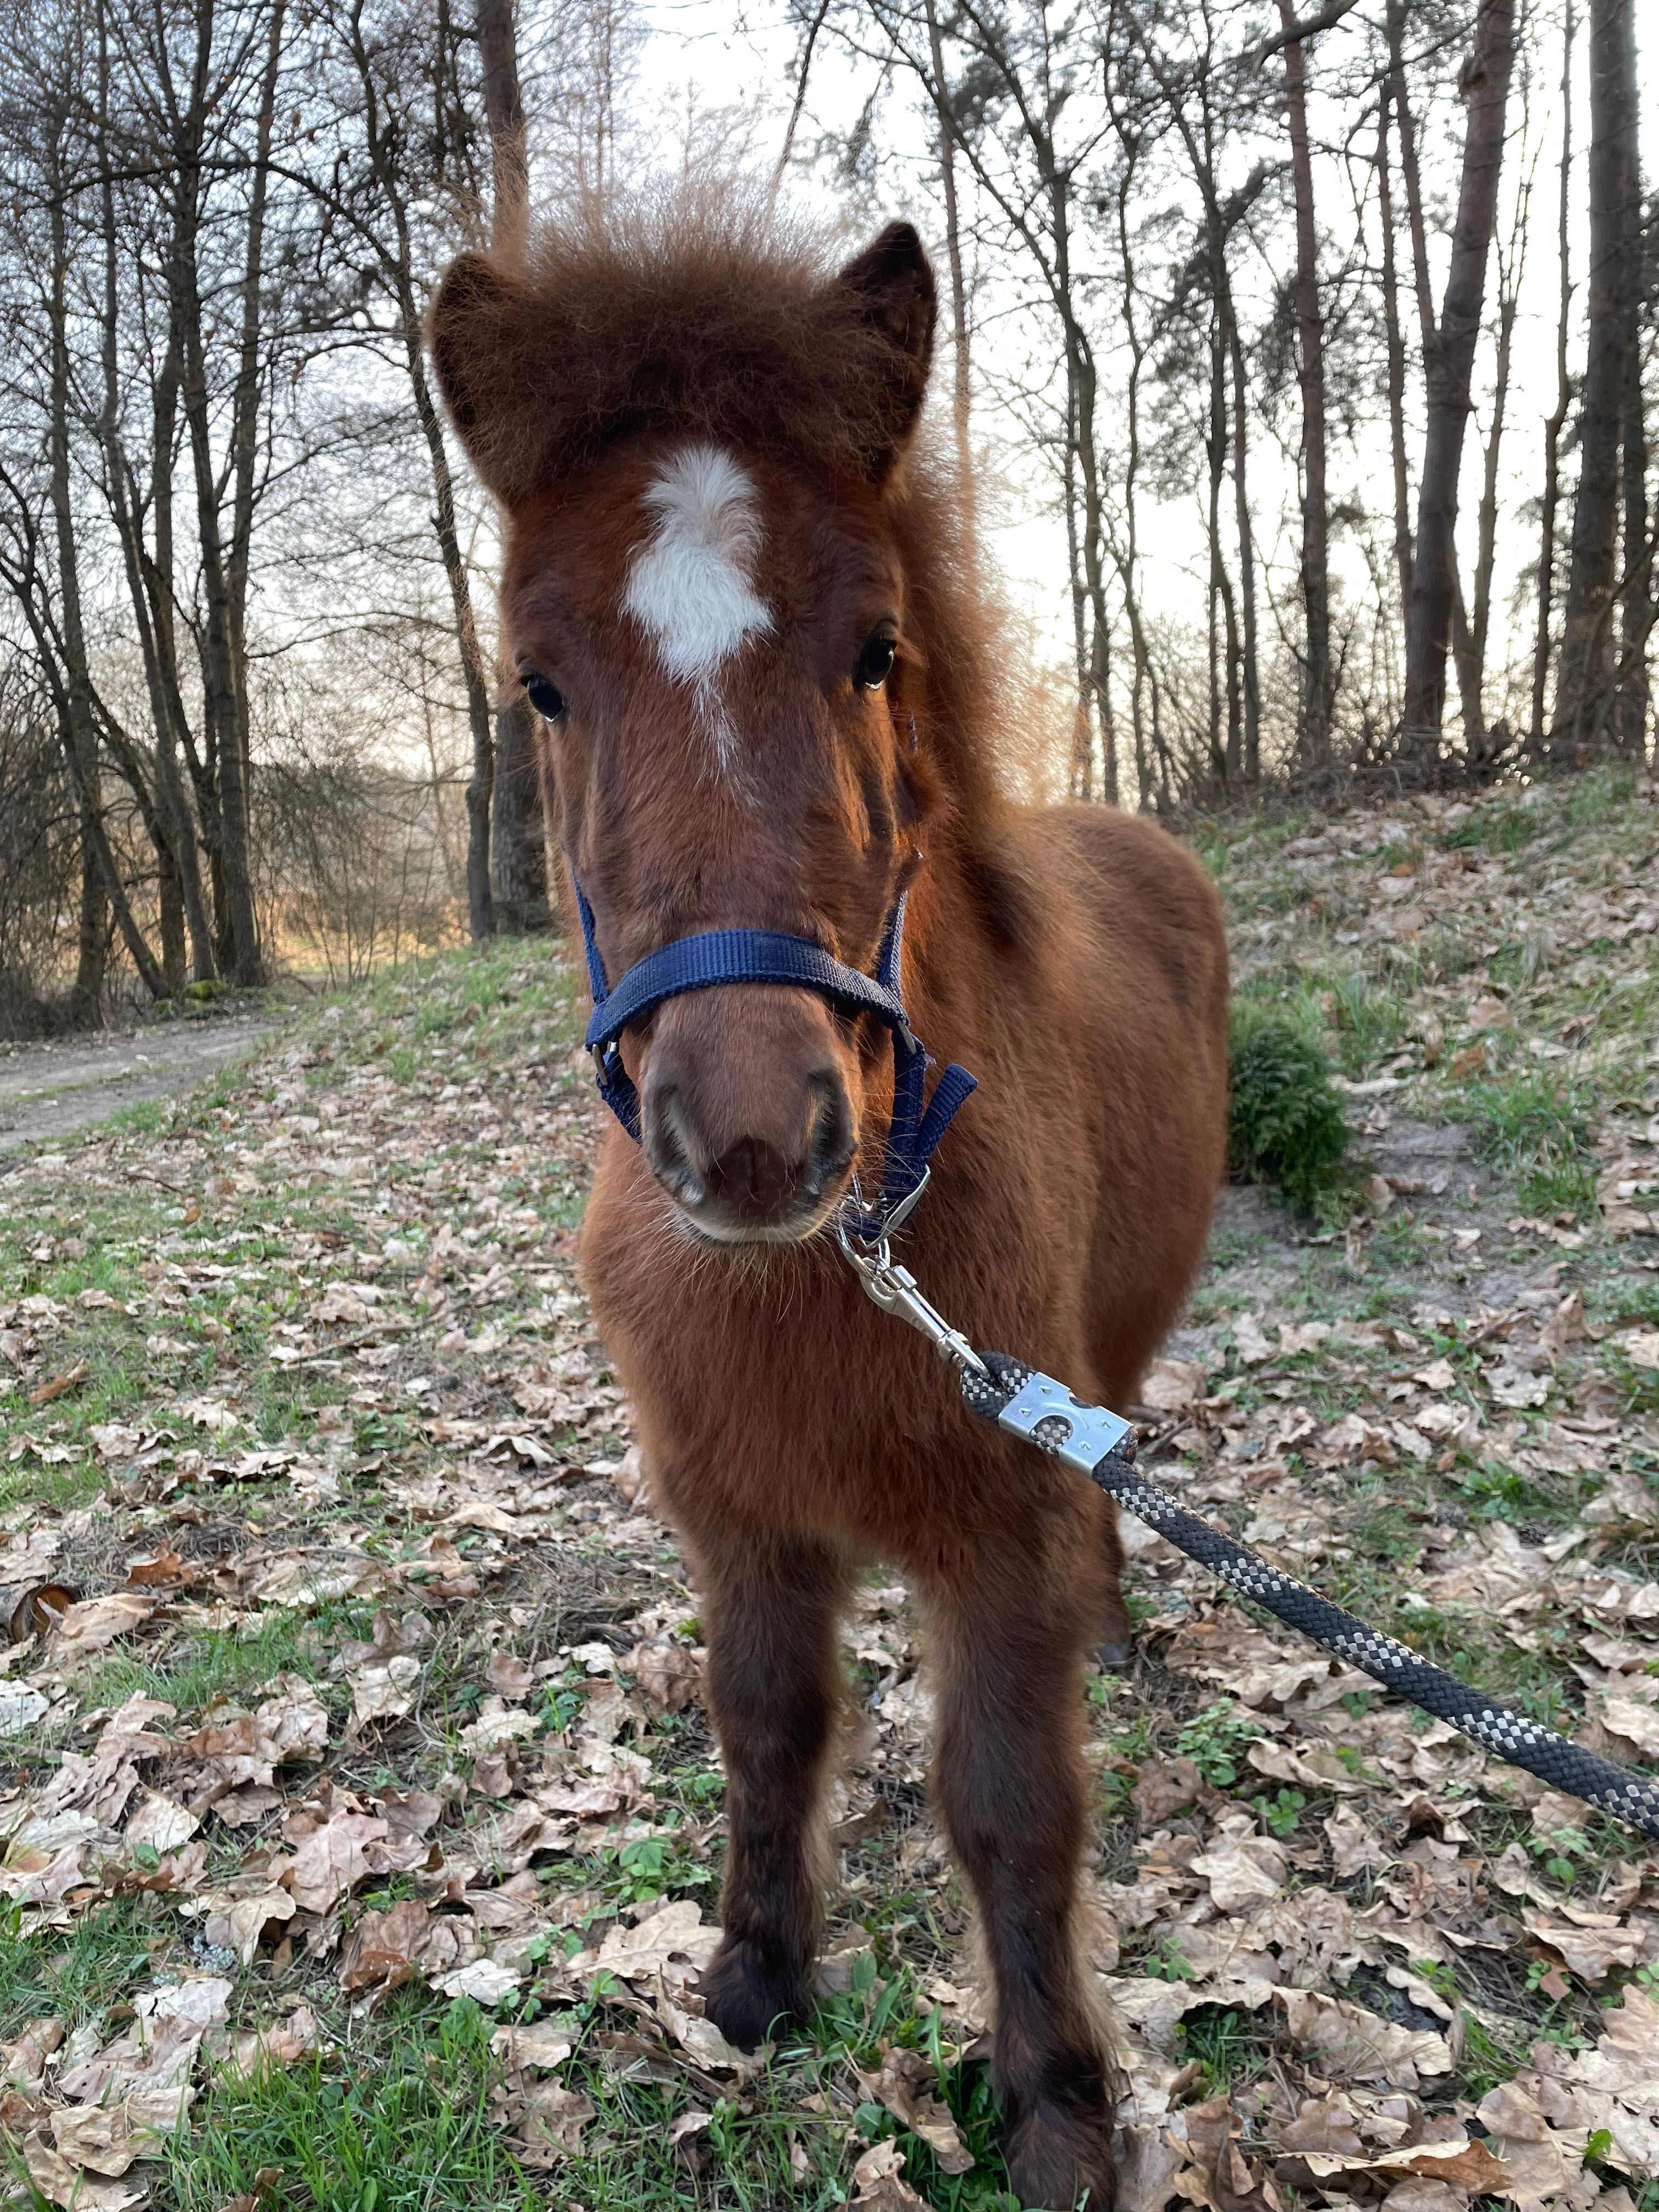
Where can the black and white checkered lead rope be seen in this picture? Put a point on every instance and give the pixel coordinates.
(1102, 1446)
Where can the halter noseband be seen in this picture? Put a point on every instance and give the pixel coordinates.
(771, 956)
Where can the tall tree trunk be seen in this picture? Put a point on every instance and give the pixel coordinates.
(77, 732)
(1083, 390)
(1556, 422)
(517, 825)
(480, 899)
(1448, 366)
(960, 393)
(1226, 758)
(239, 949)
(244, 409)
(1637, 595)
(509, 164)
(183, 908)
(1080, 773)
(1587, 671)
(1250, 671)
(1318, 689)
(1145, 704)
(1636, 610)
(1509, 301)
(1466, 659)
(384, 153)
(1397, 355)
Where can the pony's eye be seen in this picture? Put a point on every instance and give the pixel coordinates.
(546, 698)
(875, 663)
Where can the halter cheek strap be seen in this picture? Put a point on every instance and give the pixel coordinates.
(771, 956)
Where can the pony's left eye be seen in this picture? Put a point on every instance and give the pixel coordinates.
(546, 698)
(875, 663)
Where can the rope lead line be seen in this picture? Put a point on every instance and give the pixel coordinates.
(1007, 1387)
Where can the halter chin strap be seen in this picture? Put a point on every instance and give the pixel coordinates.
(771, 956)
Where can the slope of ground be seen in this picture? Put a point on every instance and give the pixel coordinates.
(361, 1825)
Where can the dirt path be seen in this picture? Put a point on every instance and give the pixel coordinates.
(52, 1089)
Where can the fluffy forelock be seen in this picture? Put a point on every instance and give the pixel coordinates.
(704, 317)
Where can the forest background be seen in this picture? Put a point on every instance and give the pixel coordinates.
(1301, 363)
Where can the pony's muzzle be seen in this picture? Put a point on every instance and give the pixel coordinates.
(752, 1135)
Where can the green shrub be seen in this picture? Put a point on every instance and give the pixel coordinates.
(1286, 1124)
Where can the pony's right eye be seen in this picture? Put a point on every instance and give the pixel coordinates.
(546, 698)
(875, 662)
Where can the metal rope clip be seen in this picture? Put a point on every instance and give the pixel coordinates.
(895, 1290)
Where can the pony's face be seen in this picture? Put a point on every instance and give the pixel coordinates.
(714, 635)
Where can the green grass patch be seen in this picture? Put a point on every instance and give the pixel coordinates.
(77, 1973)
(1231, 2047)
(406, 2127)
(1285, 1123)
(1532, 1126)
(211, 1665)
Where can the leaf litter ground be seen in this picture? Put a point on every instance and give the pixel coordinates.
(361, 1822)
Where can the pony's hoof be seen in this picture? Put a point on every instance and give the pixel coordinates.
(1116, 1654)
(1059, 2165)
(746, 1996)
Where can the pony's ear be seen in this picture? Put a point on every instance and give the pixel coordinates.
(889, 290)
(486, 345)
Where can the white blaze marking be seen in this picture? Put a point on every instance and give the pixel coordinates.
(691, 585)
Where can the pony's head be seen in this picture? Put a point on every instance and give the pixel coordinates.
(698, 447)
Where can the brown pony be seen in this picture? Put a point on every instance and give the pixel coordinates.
(740, 591)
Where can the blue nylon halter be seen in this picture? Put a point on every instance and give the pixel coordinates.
(771, 956)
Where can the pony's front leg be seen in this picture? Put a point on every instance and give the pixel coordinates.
(1009, 1781)
(771, 1606)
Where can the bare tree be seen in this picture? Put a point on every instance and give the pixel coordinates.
(1319, 685)
(1449, 361)
(519, 836)
(1556, 422)
(960, 390)
(397, 159)
(1586, 684)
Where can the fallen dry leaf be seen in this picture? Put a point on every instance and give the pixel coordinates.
(642, 1952)
(47, 1394)
(96, 1622)
(877, 2182)
(905, 2085)
(551, 2129)
(1352, 2043)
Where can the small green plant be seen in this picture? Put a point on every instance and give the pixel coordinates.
(1495, 1492)
(642, 1872)
(1214, 1741)
(1559, 1852)
(1282, 1812)
(1285, 1123)
(1166, 1963)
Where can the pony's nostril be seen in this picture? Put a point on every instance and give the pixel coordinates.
(830, 1144)
(668, 1147)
